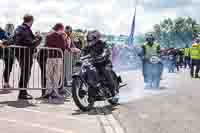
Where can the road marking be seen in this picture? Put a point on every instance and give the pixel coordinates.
(51, 114)
(107, 121)
(110, 124)
(25, 123)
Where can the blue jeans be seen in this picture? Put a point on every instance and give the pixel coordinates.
(152, 74)
(172, 66)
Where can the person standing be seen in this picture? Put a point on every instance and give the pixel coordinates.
(172, 60)
(187, 57)
(54, 39)
(42, 60)
(69, 40)
(7, 55)
(195, 57)
(71, 56)
(23, 36)
(151, 71)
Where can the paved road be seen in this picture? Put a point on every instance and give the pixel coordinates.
(34, 117)
(175, 109)
(40, 116)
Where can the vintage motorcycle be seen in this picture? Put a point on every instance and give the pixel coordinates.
(80, 84)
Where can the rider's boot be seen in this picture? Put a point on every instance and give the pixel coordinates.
(91, 101)
(91, 98)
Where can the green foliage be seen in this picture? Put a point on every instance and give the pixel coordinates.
(176, 33)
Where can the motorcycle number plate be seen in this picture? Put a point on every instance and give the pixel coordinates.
(171, 57)
(154, 59)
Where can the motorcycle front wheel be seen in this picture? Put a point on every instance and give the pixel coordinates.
(80, 94)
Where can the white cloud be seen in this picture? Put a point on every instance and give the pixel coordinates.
(111, 16)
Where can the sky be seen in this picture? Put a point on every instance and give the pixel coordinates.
(108, 16)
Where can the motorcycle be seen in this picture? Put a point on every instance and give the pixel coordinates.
(80, 85)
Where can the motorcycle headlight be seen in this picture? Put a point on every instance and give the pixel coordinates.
(76, 69)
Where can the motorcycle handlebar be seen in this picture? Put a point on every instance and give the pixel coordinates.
(89, 58)
(85, 57)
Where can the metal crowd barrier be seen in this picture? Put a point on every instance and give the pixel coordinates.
(69, 61)
(15, 56)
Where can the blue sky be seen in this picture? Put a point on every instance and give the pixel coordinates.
(110, 16)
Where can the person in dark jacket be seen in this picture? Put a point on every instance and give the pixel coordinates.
(7, 55)
(172, 53)
(97, 48)
(3, 34)
(23, 36)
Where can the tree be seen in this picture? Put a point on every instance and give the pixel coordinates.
(176, 33)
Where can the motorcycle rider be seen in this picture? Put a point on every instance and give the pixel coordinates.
(96, 48)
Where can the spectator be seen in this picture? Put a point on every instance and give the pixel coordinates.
(23, 36)
(78, 43)
(55, 39)
(3, 34)
(6, 55)
(9, 28)
(42, 59)
(172, 60)
(69, 40)
(72, 48)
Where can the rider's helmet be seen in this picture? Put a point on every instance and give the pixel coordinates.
(93, 37)
(150, 38)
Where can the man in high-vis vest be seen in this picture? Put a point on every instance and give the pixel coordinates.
(187, 57)
(195, 57)
(152, 67)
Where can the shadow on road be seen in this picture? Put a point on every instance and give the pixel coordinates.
(3, 92)
(106, 110)
(18, 104)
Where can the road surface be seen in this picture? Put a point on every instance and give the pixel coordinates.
(174, 108)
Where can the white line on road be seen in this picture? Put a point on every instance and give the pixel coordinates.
(25, 123)
(54, 115)
(110, 124)
(107, 121)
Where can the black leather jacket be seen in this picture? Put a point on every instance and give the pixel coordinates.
(99, 52)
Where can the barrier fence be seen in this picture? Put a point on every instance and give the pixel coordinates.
(34, 69)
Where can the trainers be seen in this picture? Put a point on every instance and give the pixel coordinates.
(25, 97)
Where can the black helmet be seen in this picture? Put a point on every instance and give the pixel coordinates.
(93, 37)
(150, 38)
